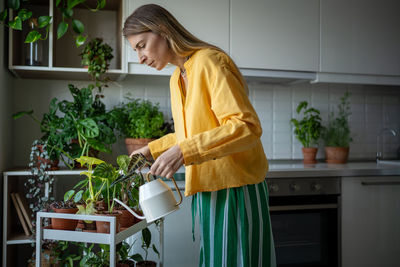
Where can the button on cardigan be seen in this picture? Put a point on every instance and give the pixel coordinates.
(216, 127)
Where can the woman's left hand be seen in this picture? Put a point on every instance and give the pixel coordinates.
(168, 162)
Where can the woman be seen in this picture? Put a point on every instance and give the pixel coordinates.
(217, 138)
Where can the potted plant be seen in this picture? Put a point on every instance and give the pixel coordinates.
(308, 131)
(146, 243)
(96, 56)
(139, 122)
(336, 134)
(66, 206)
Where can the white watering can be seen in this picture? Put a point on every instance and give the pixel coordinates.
(156, 200)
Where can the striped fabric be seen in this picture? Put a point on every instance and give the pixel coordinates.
(235, 227)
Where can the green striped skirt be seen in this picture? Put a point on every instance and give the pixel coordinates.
(235, 227)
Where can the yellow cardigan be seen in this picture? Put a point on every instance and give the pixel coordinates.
(216, 126)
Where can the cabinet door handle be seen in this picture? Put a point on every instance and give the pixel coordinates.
(381, 183)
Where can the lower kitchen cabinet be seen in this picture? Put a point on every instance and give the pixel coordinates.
(370, 221)
(179, 248)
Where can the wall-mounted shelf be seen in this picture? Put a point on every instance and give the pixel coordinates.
(60, 58)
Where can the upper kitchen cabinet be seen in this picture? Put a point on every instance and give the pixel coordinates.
(275, 35)
(360, 37)
(206, 19)
(59, 59)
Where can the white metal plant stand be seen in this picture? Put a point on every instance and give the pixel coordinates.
(111, 239)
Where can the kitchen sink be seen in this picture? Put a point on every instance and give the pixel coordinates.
(390, 162)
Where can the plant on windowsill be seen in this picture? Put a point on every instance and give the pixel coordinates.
(308, 131)
(336, 134)
(139, 122)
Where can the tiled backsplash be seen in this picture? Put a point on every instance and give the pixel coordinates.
(373, 108)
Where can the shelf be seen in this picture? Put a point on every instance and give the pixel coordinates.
(19, 239)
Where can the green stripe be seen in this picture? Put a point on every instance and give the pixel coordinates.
(232, 237)
(266, 248)
(244, 228)
(219, 226)
(205, 208)
(256, 227)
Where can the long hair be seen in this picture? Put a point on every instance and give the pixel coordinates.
(158, 20)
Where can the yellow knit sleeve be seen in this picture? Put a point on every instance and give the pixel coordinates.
(239, 127)
(159, 146)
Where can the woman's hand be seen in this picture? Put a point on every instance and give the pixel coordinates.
(145, 151)
(168, 162)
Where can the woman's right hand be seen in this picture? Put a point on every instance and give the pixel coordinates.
(145, 151)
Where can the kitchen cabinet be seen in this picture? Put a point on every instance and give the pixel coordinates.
(276, 35)
(61, 58)
(360, 37)
(208, 20)
(370, 221)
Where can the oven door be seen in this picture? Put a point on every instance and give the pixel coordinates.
(305, 230)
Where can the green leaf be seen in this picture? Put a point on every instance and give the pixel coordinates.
(32, 36)
(68, 13)
(137, 257)
(123, 162)
(22, 113)
(80, 40)
(104, 170)
(77, 26)
(88, 127)
(89, 160)
(3, 15)
(16, 24)
(68, 195)
(58, 2)
(101, 4)
(44, 21)
(146, 234)
(72, 3)
(14, 4)
(62, 29)
(24, 14)
(78, 196)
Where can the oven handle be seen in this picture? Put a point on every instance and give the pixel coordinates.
(303, 207)
(381, 183)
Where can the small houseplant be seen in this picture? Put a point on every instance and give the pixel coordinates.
(336, 134)
(66, 206)
(140, 122)
(96, 55)
(146, 244)
(308, 131)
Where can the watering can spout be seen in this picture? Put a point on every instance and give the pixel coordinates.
(129, 209)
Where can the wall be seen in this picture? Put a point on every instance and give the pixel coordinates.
(373, 107)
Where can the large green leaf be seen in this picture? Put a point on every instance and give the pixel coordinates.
(16, 24)
(72, 3)
(24, 14)
(89, 161)
(105, 170)
(101, 4)
(32, 36)
(62, 29)
(88, 127)
(44, 21)
(77, 25)
(146, 237)
(123, 162)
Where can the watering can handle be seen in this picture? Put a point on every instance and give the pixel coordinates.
(177, 189)
(130, 210)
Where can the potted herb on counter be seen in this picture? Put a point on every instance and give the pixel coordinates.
(308, 131)
(336, 134)
(140, 122)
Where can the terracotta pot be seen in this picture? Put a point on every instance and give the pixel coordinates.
(336, 154)
(133, 144)
(127, 219)
(64, 224)
(104, 227)
(127, 263)
(309, 154)
(53, 163)
(146, 264)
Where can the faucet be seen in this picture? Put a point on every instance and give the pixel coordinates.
(378, 141)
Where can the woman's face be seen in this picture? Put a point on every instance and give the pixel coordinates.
(152, 49)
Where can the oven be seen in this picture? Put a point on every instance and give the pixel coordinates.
(305, 221)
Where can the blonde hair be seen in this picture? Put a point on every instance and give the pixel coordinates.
(158, 20)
